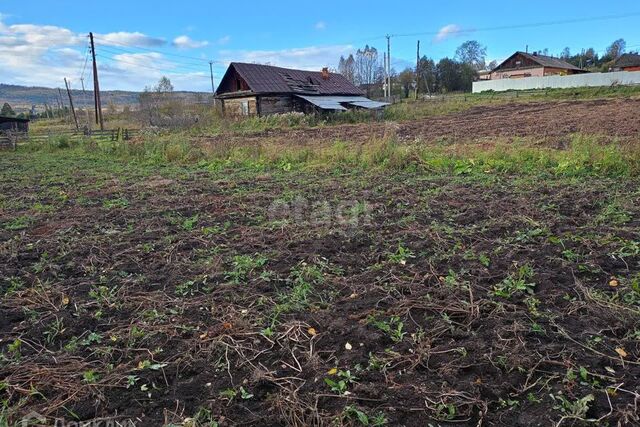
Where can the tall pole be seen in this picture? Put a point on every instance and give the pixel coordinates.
(84, 100)
(213, 86)
(417, 69)
(61, 103)
(75, 119)
(388, 68)
(96, 85)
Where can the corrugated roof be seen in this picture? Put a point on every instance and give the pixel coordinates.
(338, 103)
(545, 61)
(628, 60)
(263, 79)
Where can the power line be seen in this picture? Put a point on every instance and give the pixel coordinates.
(173, 70)
(520, 26)
(110, 43)
(120, 51)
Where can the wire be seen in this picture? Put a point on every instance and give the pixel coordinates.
(119, 51)
(173, 70)
(520, 26)
(86, 60)
(110, 43)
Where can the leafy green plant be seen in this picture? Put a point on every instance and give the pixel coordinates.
(189, 223)
(18, 223)
(401, 256)
(351, 412)
(119, 203)
(243, 265)
(340, 386)
(90, 377)
(518, 283)
(392, 327)
(577, 409)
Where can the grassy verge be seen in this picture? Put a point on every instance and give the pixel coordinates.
(584, 156)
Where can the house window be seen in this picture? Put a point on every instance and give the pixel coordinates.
(518, 63)
(238, 84)
(245, 108)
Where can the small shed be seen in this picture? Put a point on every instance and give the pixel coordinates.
(255, 89)
(628, 62)
(523, 64)
(13, 124)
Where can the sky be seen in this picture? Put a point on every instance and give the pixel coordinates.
(139, 41)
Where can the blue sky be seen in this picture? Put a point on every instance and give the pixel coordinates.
(138, 40)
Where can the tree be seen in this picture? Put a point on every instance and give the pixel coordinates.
(616, 49)
(472, 53)
(428, 75)
(164, 85)
(366, 66)
(347, 67)
(449, 75)
(566, 53)
(407, 81)
(7, 110)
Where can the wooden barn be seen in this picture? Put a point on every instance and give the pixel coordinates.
(522, 64)
(254, 89)
(13, 124)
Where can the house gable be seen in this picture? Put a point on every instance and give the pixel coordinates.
(232, 82)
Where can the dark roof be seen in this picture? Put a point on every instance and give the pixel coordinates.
(263, 79)
(5, 119)
(545, 61)
(628, 60)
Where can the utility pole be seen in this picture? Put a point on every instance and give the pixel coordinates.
(61, 103)
(75, 119)
(417, 69)
(213, 86)
(388, 68)
(96, 85)
(84, 101)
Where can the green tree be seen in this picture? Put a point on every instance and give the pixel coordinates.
(616, 49)
(7, 111)
(407, 80)
(164, 85)
(472, 53)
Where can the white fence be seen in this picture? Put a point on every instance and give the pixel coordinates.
(560, 82)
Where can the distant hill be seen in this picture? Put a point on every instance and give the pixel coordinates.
(21, 98)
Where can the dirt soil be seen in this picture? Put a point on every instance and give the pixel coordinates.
(551, 121)
(319, 299)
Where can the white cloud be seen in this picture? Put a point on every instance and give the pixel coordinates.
(130, 39)
(448, 31)
(306, 58)
(320, 25)
(42, 55)
(186, 42)
(224, 40)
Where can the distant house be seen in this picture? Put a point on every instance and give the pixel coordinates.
(628, 62)
(254, 89)
(13, 124)
(522, 64)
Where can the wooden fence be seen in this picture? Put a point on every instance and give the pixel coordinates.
(12, 139)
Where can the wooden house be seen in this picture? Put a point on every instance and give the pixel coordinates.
(13, 124)
(254, 89)
(628, 62)
(522, 64)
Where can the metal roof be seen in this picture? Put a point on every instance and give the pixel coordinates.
(543, 60)
(628, 60)
(267, 79)
(337, 103)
